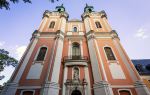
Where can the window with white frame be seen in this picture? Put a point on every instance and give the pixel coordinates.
(76, 52)
(109, 53)
(75, 29)
(52, 24)
(98, 25)
(41, 54)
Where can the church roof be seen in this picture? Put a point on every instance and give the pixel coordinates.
(142, 66)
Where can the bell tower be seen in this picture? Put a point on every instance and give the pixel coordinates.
(75, 57)
(112, 70)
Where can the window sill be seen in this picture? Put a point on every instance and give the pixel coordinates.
(112, 61)
(37, 62)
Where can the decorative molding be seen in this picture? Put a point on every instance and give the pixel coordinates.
(98, 14)
(79, 63)
(29, 87)
(122, 86)
(48, 13)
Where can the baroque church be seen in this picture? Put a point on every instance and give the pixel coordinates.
(75, 57)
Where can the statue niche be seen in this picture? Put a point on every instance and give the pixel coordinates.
(76, 73)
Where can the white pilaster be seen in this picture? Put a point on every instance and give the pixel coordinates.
(63, 24)
(64, 80)
(106, 24)
(94, 61)
(54, 86)
(69, 50)
(88, 90)
(81, 47)
(141, 88)
(43, 24)
(87, 24)
(101, 62)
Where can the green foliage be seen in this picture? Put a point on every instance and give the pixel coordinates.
(6, 3)
(6, 60)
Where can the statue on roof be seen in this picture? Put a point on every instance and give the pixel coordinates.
(88, 8)
(60, 8)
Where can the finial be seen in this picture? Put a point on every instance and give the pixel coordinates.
(86, 4)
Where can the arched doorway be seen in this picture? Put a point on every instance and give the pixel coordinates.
(28, 93)
(76, 92)
(124, 92)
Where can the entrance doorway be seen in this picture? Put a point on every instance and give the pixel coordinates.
(76, 92)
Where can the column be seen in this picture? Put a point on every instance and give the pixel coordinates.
(53, 85)
(81, 47)
(64, 80)
(88, 88)
(99, 86)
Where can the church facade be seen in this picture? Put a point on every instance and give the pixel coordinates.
(75, 57)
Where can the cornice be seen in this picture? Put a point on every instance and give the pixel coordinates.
(112, 34)
(48, 13)
(101, 14)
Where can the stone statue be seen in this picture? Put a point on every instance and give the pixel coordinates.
(76, 73)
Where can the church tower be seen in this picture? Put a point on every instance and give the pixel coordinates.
(75, 57)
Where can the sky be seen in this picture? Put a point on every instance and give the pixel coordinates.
(130, 18)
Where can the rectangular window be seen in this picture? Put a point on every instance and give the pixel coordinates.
(98, 25)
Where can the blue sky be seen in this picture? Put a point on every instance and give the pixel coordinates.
(130, 18)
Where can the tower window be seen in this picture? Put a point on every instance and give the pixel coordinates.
(109, 53)
(76, 53)
(124, 92)
(74, 29)
(41, 54)
(98, 25)
(52, 24)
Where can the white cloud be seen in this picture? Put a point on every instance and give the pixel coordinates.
(2, 43)
(20, 50)
(141, 33)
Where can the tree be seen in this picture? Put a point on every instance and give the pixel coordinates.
(6, 3)
(148, 67)
(6, 60)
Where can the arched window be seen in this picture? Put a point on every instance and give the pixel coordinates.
(76, 53)
(41, 54)
(124, 92)
(98, 25)
(76, 73)
(27, 93)
(52, 24)
(109, 53)
(74, 29)
(76, 92)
